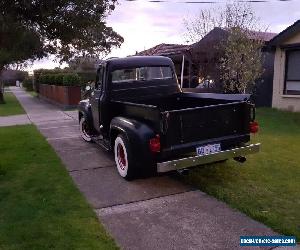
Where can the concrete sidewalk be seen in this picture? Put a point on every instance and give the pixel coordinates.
(13, 120)
(154, 213)
(39, 111)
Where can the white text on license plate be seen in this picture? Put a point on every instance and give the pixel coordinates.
(208, 149)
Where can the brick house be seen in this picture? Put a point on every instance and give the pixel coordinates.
(201, 59)
(286, 81)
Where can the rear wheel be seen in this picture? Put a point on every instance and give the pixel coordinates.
(85, 130)
(123, 157)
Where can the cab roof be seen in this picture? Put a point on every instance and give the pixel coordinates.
(138, 61)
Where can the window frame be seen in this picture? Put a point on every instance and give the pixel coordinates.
(139, 80)
(100, 72)
(287, 54)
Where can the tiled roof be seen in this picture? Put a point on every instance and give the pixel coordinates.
(164, 50)
(254, 35)
(264, 36)
(285, 34)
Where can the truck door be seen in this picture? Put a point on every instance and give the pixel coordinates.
(96, 98)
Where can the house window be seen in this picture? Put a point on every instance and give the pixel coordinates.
(292, 73)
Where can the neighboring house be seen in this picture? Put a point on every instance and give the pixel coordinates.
(201, 62)
(286, 82)
(206, 55)
(9, 76)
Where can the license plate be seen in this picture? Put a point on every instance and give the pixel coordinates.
(208, 149)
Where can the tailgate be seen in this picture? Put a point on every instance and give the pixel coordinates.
(205, 123)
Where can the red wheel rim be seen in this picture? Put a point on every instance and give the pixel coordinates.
(121, 156)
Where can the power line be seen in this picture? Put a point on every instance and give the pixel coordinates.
(208, 2)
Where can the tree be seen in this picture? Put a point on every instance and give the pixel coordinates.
(65, 28)
(239, 51)
(241, 64)
(84, 63)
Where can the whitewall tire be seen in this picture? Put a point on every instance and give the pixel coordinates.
(121, 156)
(83, 127)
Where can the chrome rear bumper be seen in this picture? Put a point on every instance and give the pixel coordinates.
(199, 160)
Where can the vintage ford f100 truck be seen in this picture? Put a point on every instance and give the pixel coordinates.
(137, 110)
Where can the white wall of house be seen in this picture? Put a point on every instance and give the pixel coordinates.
(282, 100)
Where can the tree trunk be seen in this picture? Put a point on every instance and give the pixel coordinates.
(1, 87)
(1, 95)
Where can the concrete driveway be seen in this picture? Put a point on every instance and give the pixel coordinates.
(154, 213)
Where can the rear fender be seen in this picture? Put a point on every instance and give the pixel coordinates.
(138, 135)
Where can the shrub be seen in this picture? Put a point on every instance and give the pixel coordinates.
(47, 79)
(28, 83)
(87, 76)
(66, 79)
(71, 79)
(40, 72)
(51, 79)
(59, 79)
(44, 79)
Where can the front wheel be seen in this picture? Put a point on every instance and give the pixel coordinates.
(123, 157)
(85, 130)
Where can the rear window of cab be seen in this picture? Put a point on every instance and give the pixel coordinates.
(142, 74)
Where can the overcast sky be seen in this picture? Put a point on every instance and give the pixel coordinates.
(145, 24)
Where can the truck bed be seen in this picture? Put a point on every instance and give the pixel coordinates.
(180, 102)
(189, 120)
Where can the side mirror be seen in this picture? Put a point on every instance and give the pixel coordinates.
(87, 88)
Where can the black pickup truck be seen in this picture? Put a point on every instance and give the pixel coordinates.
(137, 110)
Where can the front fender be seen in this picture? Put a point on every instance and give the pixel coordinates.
(84, 109)
(137, 133)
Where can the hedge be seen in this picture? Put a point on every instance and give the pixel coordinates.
(55, 77)
(63, 79)
(38, 73)
(71, 79)
(28, 83)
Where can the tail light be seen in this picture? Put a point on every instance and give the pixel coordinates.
(154, 144)
(254, 127)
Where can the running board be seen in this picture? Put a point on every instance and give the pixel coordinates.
(102, 143)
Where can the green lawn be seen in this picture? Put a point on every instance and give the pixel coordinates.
(267, 186)
(40, 208)
(11, 106)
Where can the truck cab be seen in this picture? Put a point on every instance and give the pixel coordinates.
(137, 110)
